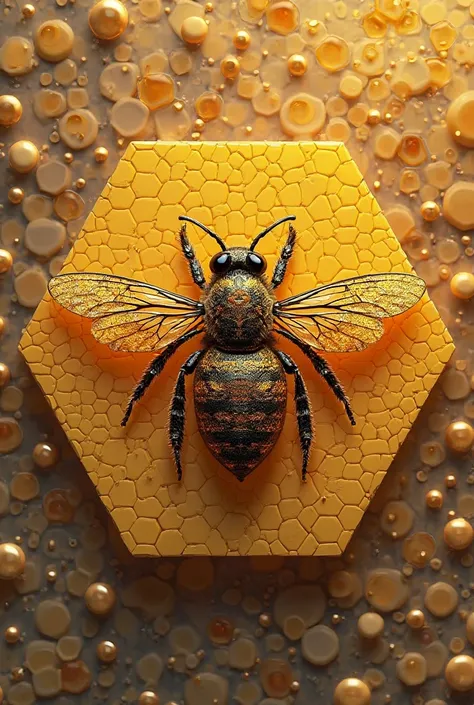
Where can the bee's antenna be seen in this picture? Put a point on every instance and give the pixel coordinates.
(270, 227)
(206, 230)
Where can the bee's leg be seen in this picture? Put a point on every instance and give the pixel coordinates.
(194, 264)
(324, 369)
(154, 369)
(303, 410)
(178, 408)
(285, 255)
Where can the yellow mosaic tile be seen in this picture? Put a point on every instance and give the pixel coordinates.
(237, 188)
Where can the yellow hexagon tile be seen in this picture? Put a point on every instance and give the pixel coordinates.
(237, 189)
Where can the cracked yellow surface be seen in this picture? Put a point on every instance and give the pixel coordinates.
(237, 188)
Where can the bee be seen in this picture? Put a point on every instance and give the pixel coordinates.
(240, 375)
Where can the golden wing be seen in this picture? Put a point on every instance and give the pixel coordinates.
(347, 316)
(129, 315)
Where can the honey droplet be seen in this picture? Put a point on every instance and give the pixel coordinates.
(57, 507)
(462, 285)
(412, 150)
(230, 66)
(374, 25)
(458, 534)
(6, 261)
(282, 17)
(241, 40)
(297, 65)
(333, 53)
(276, 677)
(430, 211)
(16, 56)
(68, 205)
(45, 455)
(108, 19)
(209, 106)
(75, 677)
(443, 35)
(460, 436)
(459, 673)
(78, 128)
(156, 90)
(460, 119)
(220, 631)
(10, 110)
(54, 40)
(106, 651)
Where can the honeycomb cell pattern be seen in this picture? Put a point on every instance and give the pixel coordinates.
(237, 188)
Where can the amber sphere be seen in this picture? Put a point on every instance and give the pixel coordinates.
(45, 455)
(12, 635)
(12, 561)
(458, 534)
(459, 673)
(415, 619)
(241, 40)
(108, 19)
(148, 697)
(6, 261)
(434, 499)
(430, 211)
(4, 374)
(106, 651)
(10, 110)
(100, 598)
(16, 195)
(460, 436)
(352, 691)
(297, 65)
(101, 154)
(230, 66)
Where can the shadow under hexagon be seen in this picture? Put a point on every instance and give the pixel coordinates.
(132, 469)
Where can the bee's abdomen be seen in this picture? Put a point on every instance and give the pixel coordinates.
(240, 402)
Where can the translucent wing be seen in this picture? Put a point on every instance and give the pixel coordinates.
(129, 315)
(346, 316)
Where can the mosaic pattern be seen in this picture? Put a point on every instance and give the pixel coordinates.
(237, 188)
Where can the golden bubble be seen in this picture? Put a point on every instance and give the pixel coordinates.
(282, 17)
(459, 673)
(148, 697)
(23, 156)
(12, 635)
(460, 436)
(412, 150)
(415, 619)
(10, 110)
(241, 40)
(54, 40)
(28, 11)
(6, 261)
(373, 116)
(352, 691)
(297, 65)
(450, 481)
(194, 30)
(230, 66)
(333, 53)
(16, 195)
(419, 549)
(430, 211)
(101, 154)
(4, 374)
(462, 285)
(458, 534)
(434, 499)
(45, 455)
(106, 651)
(108, 19)
(220, 631)
(209, 106)
(12, 561)
(100, 598)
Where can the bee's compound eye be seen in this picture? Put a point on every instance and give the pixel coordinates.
(256, 263)
(220, 263)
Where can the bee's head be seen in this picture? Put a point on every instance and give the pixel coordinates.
(237, 258)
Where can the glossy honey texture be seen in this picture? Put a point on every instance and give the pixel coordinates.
(237, 188)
